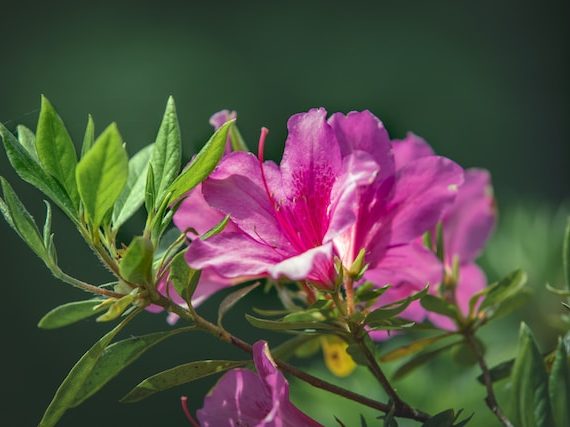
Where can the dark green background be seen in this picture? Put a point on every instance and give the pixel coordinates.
(485, 82)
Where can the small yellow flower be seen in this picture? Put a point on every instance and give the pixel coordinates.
(337, 360)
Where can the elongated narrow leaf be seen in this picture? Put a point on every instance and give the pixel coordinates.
(66, 393)
(505, 289)
(89, 137)
(102, 174)
(381, 314)
(413, 347)
(132, 197)
(136, 265)
(23, 222)
(179, 375)
(69, 313)
(55, 149)
(289, 348)
(117, 357)
(47, 225)
(232, 299)
(421, 359)
(238, 143)
(216, 229)
(566, 254)
(30, 171)
(442, 419)
(278, 325)
(559, 386)
(204, 163)
(438, 305)
(530, 399)
(28, 141)
(166, 154)
(184, 278)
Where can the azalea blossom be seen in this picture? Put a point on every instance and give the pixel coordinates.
(337, 190)
(254, 399)
(466, 226)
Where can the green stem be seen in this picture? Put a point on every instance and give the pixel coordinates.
(58, 273)
(490, 399)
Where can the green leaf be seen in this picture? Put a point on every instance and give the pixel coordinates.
(89, 137)
(237, 141)
(165, 159)
(440, 306)
(117, 357)
(69, 313)
(505, 289)
(216, 229)
(500, 372)
(463, 354)
(299, 346)
(421, 359)
(442, 419)
(132, 197)
(179, 375)
(28, 141)
(559, 386)
(413, 347)
(203, 163)
(55, 149)
(530, 399)
(278, 325)
(102, 174)
(136, 264)
(66, 393)
(566, 254)
(184, 278)
(232, 299)
(30, 171)
(47, 225)
(22, 221)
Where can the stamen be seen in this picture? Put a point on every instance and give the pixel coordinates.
(186, 410)
(261, 145)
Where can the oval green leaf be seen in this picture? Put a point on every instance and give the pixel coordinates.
(69, 313)
(102, 174)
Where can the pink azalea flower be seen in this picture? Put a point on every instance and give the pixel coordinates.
(336, 191)
(244, 398)
(467, 225)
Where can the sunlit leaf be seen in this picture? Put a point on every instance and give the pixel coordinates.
(30, 171)
(278, 325)
(136, 264)
(202, 164)
(28, 141)
(166, 155)
(503, 290)
(89, 137)
(55, 149)
(132, 196)
(102, 174)
(421, 359)
(413, 347)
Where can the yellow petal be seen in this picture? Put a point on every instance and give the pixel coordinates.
(337, 360)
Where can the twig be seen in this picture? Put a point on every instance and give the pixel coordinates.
(491, 399)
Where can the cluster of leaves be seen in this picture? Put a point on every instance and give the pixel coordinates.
(99, 190)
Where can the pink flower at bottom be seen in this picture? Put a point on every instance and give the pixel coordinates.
(244, 398)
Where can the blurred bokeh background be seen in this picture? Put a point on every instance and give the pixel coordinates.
(486, 83)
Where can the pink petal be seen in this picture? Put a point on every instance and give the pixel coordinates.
(233, 254)
(314, 265)
(236, 188)
(364, 132)
(195, 212)
(411, 148)
(469, 221)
